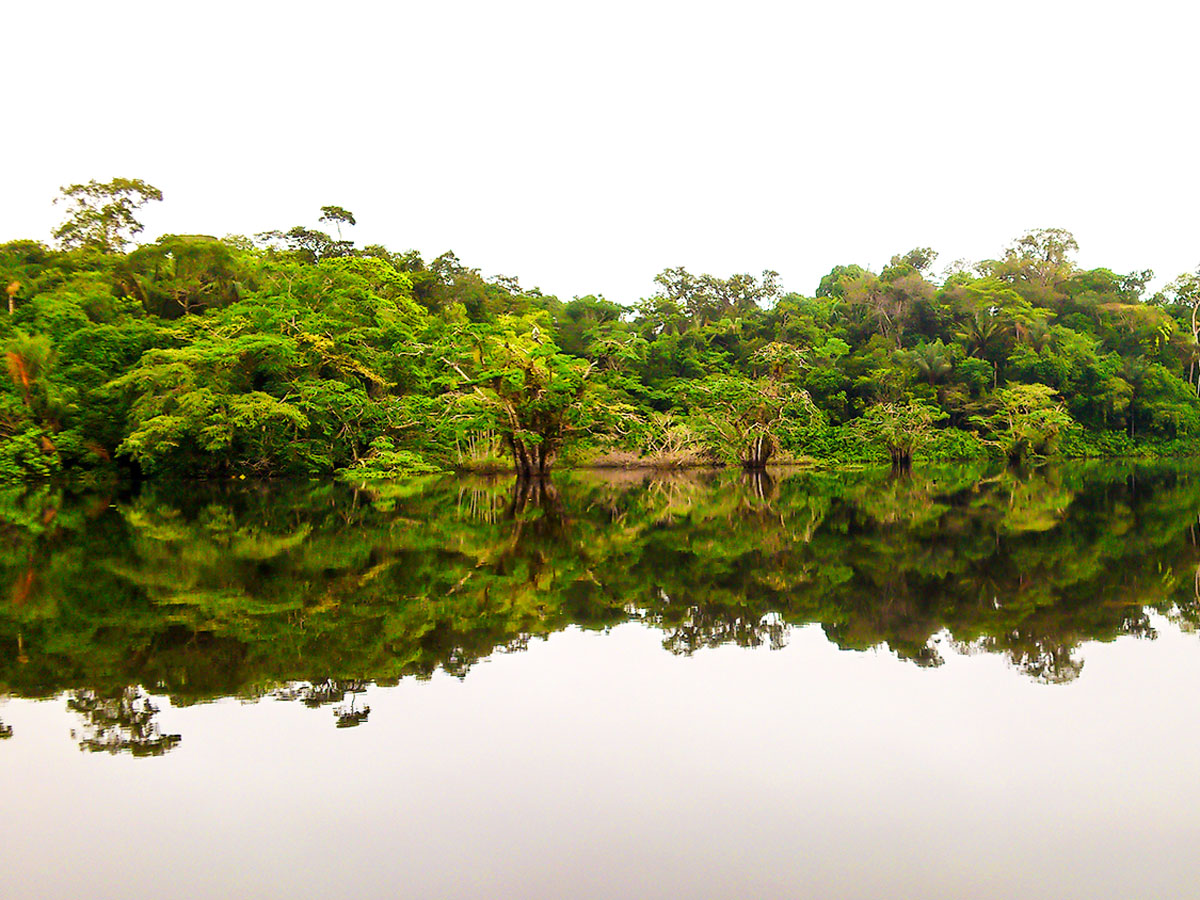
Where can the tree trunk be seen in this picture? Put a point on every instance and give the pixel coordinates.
(531, 462)
(760, 450)
(521, 459)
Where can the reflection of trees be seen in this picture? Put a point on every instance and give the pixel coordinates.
(330, 692)
(350, 716)
(1030, 567)
(759, 484)
(313, 592)
(123, 723)
(702, 627)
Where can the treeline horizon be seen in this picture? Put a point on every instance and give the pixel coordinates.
(299, 352)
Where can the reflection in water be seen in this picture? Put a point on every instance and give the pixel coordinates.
(330, 693)
(122, 723)
(312, 592)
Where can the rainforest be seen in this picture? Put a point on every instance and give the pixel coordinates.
(335, 570)
(298, 352)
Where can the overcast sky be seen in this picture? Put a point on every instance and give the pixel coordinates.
(585, 147)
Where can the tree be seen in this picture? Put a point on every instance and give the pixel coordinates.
(656, 316)
(707, 298)
(890, 299)
(933, 361)
(1184, 293)
(524, 387)
(30, 358)
(834, 284)
(190, 408)
(338, 216)
(308, 244)
(741, 417)
(1038, 260)
(311, 245)
(100, 215)
(904, 428)
(1028, 422)
(919, 258)
(184, 273)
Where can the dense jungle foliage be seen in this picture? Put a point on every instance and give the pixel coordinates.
(300, 352)
(311, 591)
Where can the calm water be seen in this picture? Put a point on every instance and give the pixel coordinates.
(961, 684)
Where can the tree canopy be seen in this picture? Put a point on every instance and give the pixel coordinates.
(100, 215)
(301, 352)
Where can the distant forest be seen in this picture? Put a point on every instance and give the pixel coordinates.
(299, 352)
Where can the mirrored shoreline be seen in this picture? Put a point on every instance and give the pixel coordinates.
(313, 591)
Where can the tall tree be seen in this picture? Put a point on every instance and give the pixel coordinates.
(339, 216)
(707, 298)
(100, 215)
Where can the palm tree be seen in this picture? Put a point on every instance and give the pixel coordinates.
(982, 335)
(933, 362)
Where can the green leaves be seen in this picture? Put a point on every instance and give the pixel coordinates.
(307, 354)
(385, 461)
(740, 418)
(904, 428)
(514, 380)
(100, 215)
(1028, 422)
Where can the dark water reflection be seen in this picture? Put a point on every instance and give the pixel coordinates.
(601, 765)
(313, 591)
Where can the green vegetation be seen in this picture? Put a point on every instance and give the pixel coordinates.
(314, 590)
(300, 352)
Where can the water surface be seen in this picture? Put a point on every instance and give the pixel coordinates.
(961, 683)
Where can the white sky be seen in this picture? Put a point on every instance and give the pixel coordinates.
(585, 147)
